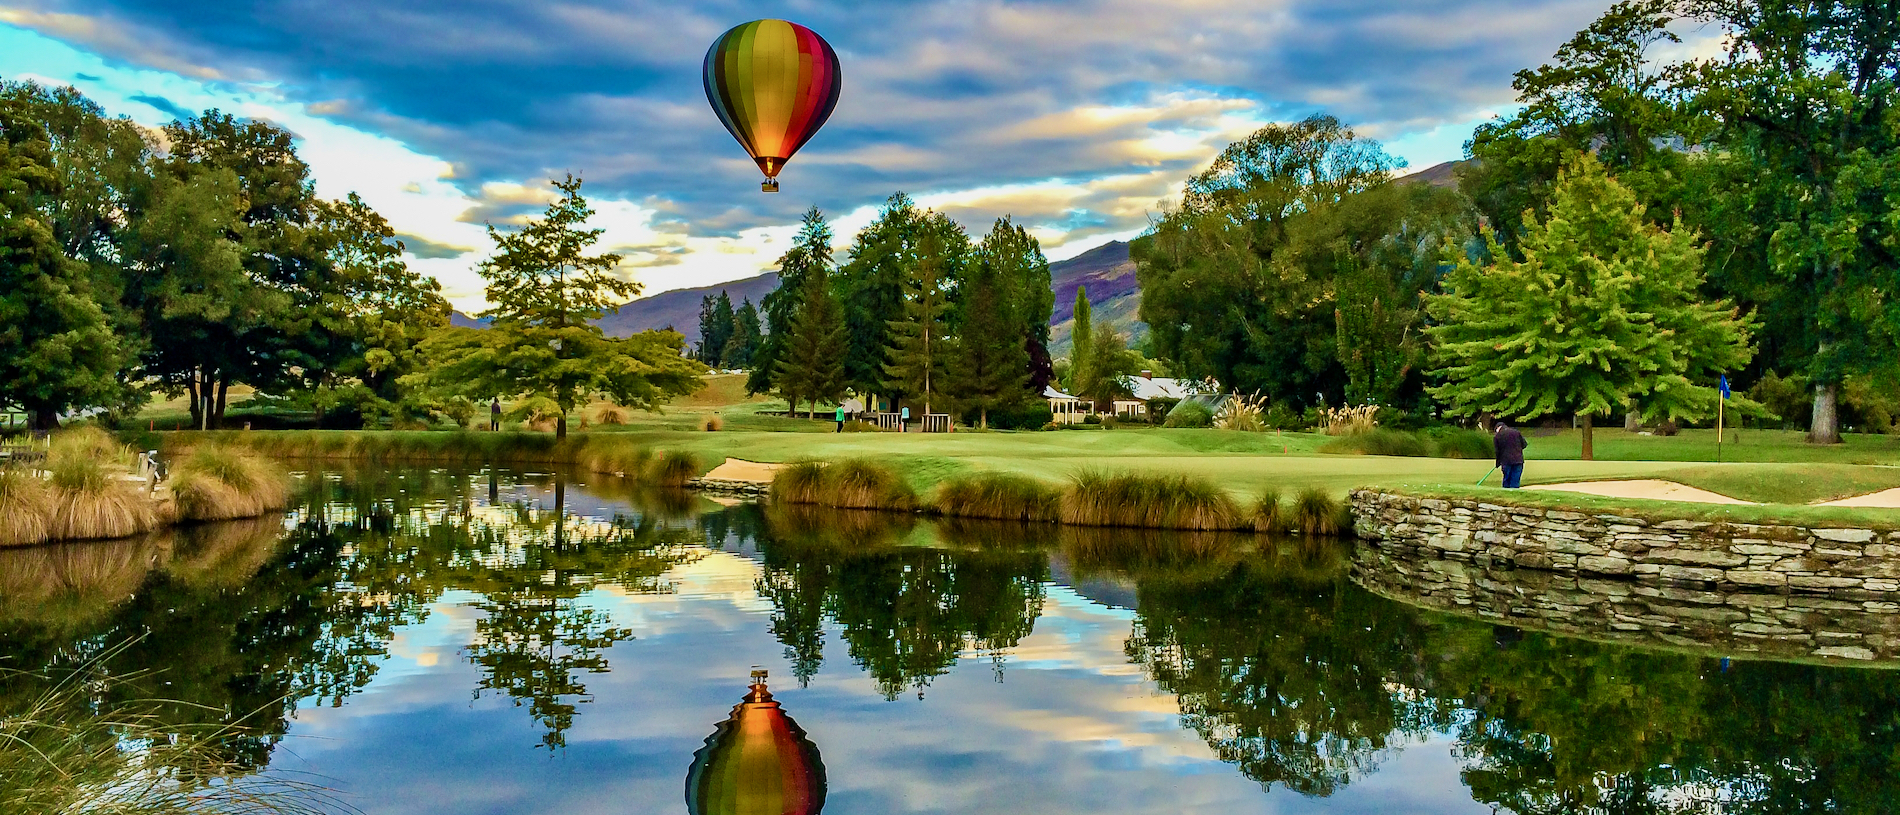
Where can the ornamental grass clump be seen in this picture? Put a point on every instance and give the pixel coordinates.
(92, 497)
(1148, 501)
(1268, 515)
(850, 484)
(1378, 441)
(610, 415)
(26, 508)
(1348, 421)
(1317, 512)
(674, 468)
(218, 483)
(1246, 413)
(1000, 496)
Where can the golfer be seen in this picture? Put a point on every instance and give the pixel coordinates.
(1510, 446)
(494, 415)
(840, 419)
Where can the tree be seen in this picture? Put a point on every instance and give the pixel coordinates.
(1013, 260)
(381, 308)
(989, 359)
(811, 363)
(1081, 341)
(715, 328)
(810, 252)
(919, 353)
(1603, 311)
(871, 287)
(743, 346)
(57, 349)
(1110, 363)
(545, 294)
(1805, 99)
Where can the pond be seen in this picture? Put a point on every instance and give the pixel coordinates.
(499, 641)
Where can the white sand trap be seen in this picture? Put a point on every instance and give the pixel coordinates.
(1884, 499)
(1650, 488)
(741, 470)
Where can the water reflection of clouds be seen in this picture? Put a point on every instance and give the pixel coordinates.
(1072, 727)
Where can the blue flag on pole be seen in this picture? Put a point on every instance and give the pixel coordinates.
(1724, 386)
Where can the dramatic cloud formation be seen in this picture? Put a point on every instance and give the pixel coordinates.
(1076, 116)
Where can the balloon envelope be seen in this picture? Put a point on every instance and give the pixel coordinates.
(773, 83)
(756, 762)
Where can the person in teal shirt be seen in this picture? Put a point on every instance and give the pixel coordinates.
(840, 419)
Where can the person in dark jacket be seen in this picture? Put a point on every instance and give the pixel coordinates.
(1510, 446)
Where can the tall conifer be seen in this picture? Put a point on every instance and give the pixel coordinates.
(811, 366)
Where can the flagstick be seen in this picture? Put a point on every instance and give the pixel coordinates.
(1719, 408)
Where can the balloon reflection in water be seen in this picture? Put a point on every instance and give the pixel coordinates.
(757, 762)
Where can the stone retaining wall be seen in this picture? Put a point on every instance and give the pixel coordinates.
(1734, 622)
(752, 488)
(1846, 563)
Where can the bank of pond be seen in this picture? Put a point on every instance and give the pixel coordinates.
(573, 607)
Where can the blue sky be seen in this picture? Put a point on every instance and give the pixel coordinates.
(1078, 117)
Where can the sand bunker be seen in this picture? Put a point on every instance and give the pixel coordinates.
(741, 470)
(1885, 499)
(1650, 488)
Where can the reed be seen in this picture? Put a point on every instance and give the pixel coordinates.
(217, 483)
(999, 496)
(1267, 514)
(1317, 512)
(849, 484)
(674, 468)
(26, 506)
(1149, 501)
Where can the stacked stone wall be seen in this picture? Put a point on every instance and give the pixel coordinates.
(1850, 563)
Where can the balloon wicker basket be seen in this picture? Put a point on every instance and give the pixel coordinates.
(770, 185)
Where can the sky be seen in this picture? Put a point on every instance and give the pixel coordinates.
(1078, 118)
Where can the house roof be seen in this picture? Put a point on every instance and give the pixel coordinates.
(1145, 388)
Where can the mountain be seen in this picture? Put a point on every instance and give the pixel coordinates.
(1114, 296)
(1437, 175)
(680, 308)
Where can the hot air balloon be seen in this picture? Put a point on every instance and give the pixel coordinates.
(757, 762)
(773, 84)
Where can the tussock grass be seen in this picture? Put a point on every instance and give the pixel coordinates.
(1267, 514)
(610, 415)
(1317, 512)
(90, 499)
(26, 505)
(848, 484)
(217, 483)
(999, 496)
(712, 423)
(674, 468)
(1378, 441)
(1149, 501)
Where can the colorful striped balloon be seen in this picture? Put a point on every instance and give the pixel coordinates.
(773, 84)
(756, 762)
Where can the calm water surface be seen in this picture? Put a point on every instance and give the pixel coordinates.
(504, 642)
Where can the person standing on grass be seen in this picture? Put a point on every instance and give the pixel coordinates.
(1510, 446)
(494, 415)
(841, 418)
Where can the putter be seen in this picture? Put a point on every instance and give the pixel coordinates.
(1486, 475)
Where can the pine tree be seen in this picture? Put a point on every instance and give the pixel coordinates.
(1603, 312)
(743, 345)
(918, 353)
(811, 364)
(705, 352)
(715, 328)
(1081, 342)
(810, 253)
(989, 364)
(1015, 262)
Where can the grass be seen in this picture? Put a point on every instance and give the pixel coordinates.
(25, 508)
(217, 483)
(1095, 498)
(1267, 513)
(89, 499)
(846, 484)
(1317, 512)
(999, 496)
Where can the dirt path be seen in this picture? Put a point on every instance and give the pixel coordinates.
(1650, 488)
(741, 470)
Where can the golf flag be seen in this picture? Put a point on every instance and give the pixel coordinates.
(1724, 385)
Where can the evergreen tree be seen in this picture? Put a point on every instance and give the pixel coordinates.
(918, 354)
(871, 288)
(811, 365)
(715, 328)
(1013, 260)
(810, 253)
(989, 363)
(1602, 312)
(743, 344)
(1081, 342)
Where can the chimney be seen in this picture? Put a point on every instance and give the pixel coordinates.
(1147, 374)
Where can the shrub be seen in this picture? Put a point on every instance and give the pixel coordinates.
(1159, 408)
(25, 508)
(1317, 512)
(860, 426)
(1378, 442)
(675, 468)
(1242, 413)
(1189, 414)
(1030, 415)
(1267, 515)
(998, 495)
(1093, 418)
(712, 423)
(1461, 443)
(1148, 501)
(610, 415)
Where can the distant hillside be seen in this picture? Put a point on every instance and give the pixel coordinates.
(680, 308)
(1114, 296)
(1437, 175)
